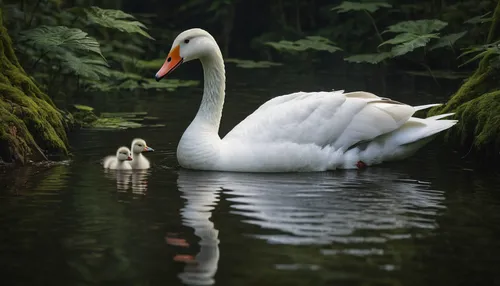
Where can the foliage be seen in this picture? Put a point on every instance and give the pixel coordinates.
(316, 43)
(412, 35)
(116, 19)
(370, 7)
(448, 40)
(481, 51)
(93, 48)
(247, 64)
(369, 58)
(58, 39)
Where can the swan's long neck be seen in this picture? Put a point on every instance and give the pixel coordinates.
(210, 111)
(199, 146)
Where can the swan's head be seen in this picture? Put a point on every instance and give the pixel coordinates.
(123, 154)
(189, 45)
(139, 146)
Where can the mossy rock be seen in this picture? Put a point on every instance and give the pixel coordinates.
(477, 107)
(30, 124)
(83, 115)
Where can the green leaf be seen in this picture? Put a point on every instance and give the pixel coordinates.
(90, 68)
(400, 38)
(416, 42)
(247, 64)
(477, 57)
(448, 40)
(419, 27)
(309, 43)
(370, 7)
(369, 58)
(83, 107)
(479, 19)
(482, 51)
(116, 19)
(53, 39)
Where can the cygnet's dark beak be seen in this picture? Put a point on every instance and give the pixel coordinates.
(129, 158)
(148, 149)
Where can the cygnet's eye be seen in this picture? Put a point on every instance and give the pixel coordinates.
(186, 41)
(140, 145)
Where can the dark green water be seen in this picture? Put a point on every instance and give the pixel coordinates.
(430, 220)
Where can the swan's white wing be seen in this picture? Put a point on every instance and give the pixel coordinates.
(322, 118)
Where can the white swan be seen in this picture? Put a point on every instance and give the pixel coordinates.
(139, 146)
(120, 161)
(302, 131)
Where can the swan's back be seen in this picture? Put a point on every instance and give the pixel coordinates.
(322, 118)
(319, 131)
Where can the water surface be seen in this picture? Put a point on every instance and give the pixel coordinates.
(430, 220)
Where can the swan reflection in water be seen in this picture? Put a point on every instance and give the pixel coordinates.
(137, 180)
(307, 208)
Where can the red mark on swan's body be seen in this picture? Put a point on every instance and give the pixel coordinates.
(361, 165)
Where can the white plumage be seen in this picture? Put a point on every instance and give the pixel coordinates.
(139, 160)
(302, 131)
(120, 161)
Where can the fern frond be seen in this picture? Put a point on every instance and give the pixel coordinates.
(57, 39)
(85, 67)
(116, 19)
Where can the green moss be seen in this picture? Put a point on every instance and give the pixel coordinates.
(479, 122)
(477, 107)
(29, 122)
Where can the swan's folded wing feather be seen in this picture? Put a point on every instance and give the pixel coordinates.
(321, 118)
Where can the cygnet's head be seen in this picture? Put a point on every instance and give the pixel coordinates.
(189, 45)
(139, 146)
(123, 154)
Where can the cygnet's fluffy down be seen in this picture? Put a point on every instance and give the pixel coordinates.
(119, 162)
(138, 147)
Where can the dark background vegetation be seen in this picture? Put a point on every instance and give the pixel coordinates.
(75, 48)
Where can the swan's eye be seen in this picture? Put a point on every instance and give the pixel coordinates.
(186, 41)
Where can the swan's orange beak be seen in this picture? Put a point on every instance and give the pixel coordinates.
(171, 63)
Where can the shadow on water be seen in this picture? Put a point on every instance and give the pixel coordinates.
(426, 221)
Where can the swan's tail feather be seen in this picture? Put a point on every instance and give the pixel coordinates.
(400, 143)
(436, 117)
(422, 107)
